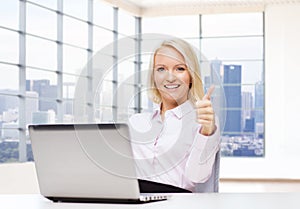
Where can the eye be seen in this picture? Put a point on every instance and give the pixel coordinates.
(160, 69)
(180, 69)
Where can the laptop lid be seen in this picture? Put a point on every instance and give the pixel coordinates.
(84, 161)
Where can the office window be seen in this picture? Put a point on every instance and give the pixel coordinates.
(232, 58)
(126, 23)
(59, 41)
(9, 49)
(76, 8)
(74, 59)
(178, 26)
(52, 4)
(9, 13)
(41, 57)
(103, 15)
(36, 25)
(75, 32)
(234, 47)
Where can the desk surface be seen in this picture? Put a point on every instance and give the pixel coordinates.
(200, 200)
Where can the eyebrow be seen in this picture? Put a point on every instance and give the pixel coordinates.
(163, 65)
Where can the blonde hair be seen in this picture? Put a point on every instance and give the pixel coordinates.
(196, 91)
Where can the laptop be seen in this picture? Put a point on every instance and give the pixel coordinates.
(86, 163)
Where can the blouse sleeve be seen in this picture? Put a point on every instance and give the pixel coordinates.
(202, 156)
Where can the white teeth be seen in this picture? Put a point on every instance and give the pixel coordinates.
(172, 86)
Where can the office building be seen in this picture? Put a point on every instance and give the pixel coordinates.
(232, 88)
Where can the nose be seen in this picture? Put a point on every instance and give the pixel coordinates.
(171, 77)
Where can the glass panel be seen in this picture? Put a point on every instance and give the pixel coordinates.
(68, 111)
(75, 32)
(233, 122)
(76, 8)
(252, 71)
(126, 72)
(126, 23)
(9, 148)
(103, 14)
(9, 77)
(233, 48)
(178, 26)
(42, 82)
(126, 94)
(232, 24)
(41, 53)
(47, 3)
(106, 93)
(38, 18)
(104, 114)
(9, 42)
(9, 14)
(46, 112)
(9, 108)
(103, 41)
(74, 60)
(69, 85)
(243, 145)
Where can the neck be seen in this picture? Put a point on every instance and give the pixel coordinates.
(168, 106)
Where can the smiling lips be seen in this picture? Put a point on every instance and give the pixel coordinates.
(171, 86)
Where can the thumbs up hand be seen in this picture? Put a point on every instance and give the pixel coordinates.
(206, 114)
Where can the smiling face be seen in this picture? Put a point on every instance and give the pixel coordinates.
(171, 76)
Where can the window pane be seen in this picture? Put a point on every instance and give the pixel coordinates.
(76, 8)
(106, 96)
(178, 26)
(46, 111)
(38, 18)
(9, 148)
(74, 60)
(9, 14)
(103, 41)
(69, 85)
(103, 14)
(47, 3)
(247, 145)
(232, 24)
(68, 111)
(39, 81)
(75, 32)
(9, 42)
(9, 77)
(126, 72)
(233, 48)
(32, 106)
(9, 108)
(252, 71)
(41, 53)
(126, 23)
(125, 95)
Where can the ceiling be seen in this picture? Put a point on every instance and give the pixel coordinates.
(189, 7)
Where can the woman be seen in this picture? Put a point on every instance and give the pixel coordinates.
(177, 143)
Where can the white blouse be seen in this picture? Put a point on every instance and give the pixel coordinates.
(173, 151)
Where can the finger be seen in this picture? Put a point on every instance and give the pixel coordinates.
(209, 92)
(208, 110)
(203, 104)
(207, 118)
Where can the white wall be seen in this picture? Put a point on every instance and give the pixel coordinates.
(282, 94)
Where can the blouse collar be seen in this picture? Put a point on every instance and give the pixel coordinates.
(178, 111)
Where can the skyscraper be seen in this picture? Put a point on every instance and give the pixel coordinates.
(259, 102)
(232, 88)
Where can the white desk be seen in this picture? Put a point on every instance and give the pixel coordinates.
(190, 201)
